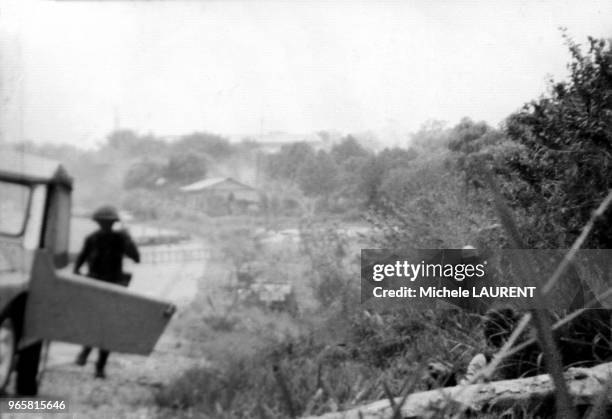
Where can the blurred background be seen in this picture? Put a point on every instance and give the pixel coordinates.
(254, 148)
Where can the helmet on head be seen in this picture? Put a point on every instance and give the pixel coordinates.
(105, 213)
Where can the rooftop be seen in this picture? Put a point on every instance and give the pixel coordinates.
(216, 183)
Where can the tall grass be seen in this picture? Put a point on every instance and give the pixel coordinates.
(332, 355)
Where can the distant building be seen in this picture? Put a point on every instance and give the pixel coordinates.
(221, 195)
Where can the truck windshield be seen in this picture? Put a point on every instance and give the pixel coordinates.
(14, 200)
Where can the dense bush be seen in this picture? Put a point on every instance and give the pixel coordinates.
(565, 170)
(553, 157)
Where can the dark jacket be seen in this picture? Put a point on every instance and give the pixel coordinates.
(104, 251)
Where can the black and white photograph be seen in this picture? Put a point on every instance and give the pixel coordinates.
(334, 209)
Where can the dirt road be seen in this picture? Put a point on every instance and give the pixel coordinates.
(128, 390)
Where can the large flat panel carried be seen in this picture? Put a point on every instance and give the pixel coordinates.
(76, 309)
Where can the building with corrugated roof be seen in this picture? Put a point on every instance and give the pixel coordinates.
(221, 195)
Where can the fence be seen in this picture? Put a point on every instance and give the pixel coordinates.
(172, 255)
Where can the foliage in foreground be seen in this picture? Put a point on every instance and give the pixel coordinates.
(309, 375)
(340, 356)
(553, 157)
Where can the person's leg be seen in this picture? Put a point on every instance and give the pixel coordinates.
(102, 358)
(82, 357)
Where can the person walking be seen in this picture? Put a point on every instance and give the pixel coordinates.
(103, 252)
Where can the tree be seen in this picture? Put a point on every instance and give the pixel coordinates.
(432, 135)
(287, 162)
(469, 136)
(392, 158)
(564, 166)
(318, 175)
(143, 174)
(423, 205)
(476, 145)
(370, 179)
(371, 171)
(204, 143)
(348, 148)
(130, 144)
(553, 158)
(186, 167)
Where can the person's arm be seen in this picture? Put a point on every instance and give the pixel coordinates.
(83, 255)
(130, 248)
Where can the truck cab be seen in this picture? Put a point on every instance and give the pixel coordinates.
(40, 299)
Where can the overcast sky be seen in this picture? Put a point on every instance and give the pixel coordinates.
(172, 67)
